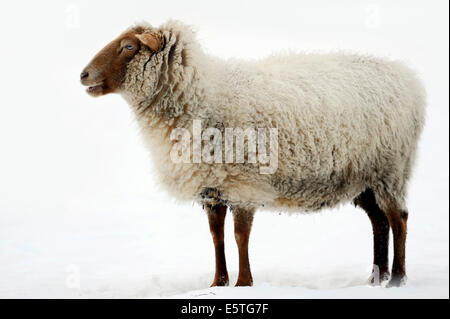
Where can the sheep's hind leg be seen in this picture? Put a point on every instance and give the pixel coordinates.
(398, 220)
(243, 219)
(380, 227)
(216, 217)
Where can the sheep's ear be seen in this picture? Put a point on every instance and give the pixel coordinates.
(153, 40)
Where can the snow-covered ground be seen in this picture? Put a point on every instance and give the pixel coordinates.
(81, 216)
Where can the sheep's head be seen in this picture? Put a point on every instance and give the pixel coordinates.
(107, 70)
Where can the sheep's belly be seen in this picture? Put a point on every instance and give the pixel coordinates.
(315, 194)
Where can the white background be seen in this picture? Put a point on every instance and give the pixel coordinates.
(80, 215)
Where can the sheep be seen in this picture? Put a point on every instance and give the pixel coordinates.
(347, 128)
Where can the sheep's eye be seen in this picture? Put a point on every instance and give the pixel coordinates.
(129, 47)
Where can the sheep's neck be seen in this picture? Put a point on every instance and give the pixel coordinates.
(160, 89)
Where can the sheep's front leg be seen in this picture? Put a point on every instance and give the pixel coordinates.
(216, 217)
(243, 219)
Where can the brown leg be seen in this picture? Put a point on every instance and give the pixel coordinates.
(380, 227)
(243, 219)
(398, 220)
(216, 217)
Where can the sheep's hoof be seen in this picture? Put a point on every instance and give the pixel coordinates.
(377, 280)
(220, 282)
(397, 281)
(244, 283)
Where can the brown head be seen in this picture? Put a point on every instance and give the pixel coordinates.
(106, 72)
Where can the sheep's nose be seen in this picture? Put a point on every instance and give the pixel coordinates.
(84, 75)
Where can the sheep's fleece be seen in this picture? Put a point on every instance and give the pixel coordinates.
(345, 122)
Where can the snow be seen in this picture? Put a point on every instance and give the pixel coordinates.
(82, 217)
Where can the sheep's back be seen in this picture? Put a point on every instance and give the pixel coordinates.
(343, 120)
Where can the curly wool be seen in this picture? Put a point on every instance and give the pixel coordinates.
(345, 122)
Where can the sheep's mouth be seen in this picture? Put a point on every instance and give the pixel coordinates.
(95, 90)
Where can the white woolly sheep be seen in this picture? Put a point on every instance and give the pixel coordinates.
(347, 130)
